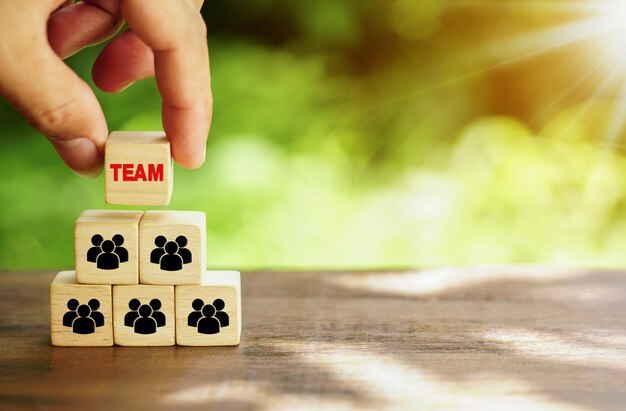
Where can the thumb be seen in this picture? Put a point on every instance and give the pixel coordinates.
(57, 103)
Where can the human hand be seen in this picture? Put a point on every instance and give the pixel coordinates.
(166, 38)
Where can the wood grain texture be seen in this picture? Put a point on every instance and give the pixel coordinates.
(65, 288)
(523, 338)
(107, 223)
(125, 335)
(171, 225)
(138, 148)
(223, 285)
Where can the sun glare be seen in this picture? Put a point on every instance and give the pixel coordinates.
(611, 22)
(598, 27)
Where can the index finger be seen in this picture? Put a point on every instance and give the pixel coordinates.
(176, 33)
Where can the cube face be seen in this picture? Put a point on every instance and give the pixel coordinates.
(209, 314)
(80, 315)
(172, 247)
(107, 247)
(138, 168)
(143, 315)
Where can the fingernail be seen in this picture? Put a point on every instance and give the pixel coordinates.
(88, 173)
(81, 155)
(123, 88)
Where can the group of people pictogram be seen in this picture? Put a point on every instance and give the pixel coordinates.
(170, 255)
(107, 254)
(208, 318)
(144, 318)
(83, 318)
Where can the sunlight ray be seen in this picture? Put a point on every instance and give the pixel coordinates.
(547, 346)
(392, 384)
(527, 45)
(572, 6)
(509, 52)
(248, 393)
(602, 23)
(618, 120)
(439, 280)
(580, 84)
(602, 88)
(596, 200)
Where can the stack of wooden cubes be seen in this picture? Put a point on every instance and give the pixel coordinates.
(140, 277)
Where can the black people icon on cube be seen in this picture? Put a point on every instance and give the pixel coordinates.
(170, 255)
(144, 318)
(107, 254)
(83, 318)
(208, 318)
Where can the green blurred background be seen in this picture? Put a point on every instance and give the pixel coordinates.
(368, 134)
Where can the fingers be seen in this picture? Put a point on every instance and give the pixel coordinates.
(122, 62)
(72, 28)
(56, 102)
(169, 39)
(176, 34)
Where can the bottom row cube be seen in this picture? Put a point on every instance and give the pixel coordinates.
(208, 314)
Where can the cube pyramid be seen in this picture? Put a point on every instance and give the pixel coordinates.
(140, 277)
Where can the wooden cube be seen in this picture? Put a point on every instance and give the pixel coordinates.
(172, 247)
(107, 247)
(138, 168)
(143, 315)
(80, 315)
(209, 314)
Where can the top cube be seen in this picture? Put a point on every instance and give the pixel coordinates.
(138, 168)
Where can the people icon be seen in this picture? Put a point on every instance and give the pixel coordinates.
(171, 260)
(132, 315)
(108, 260)
(157, 253)
(171, 255)
(69, 316)
(97, 316)
(121, 252)
(194, 317)
(93, 252)
(223, 318)
(145, 324)
(83, 318)
(208, 318)
(144, 318)
(107, 254)
(158, 316)
(184, 252)
(208, 324)
(83, 323)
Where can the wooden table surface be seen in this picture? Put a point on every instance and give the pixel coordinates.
(452, 338)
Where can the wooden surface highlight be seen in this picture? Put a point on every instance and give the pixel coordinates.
(523, 338)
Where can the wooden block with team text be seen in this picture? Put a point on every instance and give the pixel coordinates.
(138, 168)
(143, 315)
(80, 315)
(107, 247)
(172, 247)
(209, 314)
